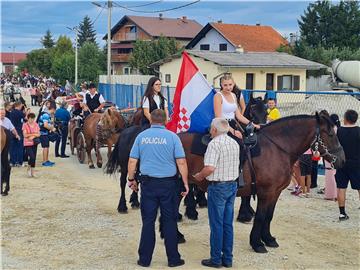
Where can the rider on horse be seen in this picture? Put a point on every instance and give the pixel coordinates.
(152, 100)
(226, 106)
(94, 101)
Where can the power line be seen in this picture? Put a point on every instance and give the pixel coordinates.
(144, 5)
(97, 17)
(155, 11)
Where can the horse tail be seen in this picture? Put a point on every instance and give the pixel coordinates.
(114, 160)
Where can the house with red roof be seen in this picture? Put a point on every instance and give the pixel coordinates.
(132, 28)
(10, 60)
(237, 37)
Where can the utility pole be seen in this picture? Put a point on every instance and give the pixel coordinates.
(109, 6)
(109, 43)
(76, 55)
(76, 30)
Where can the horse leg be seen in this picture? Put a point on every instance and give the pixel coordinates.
(266, 236)
(255, 235)
(98, 156)
(190, 202)
(89, 147)
(246, 213)
(134, 200)
(200, 198)
(122, 208)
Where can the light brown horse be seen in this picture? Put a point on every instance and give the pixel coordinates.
(101, 129)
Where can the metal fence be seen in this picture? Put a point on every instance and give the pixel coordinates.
(129, 96)
(298, 102)
(288, 102)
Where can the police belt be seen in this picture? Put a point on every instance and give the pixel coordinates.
(144, 178)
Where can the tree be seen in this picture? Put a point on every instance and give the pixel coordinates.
(86, 32)
(91, 62)
(38, 62)
(148, 52)
(331, 25)
(63, 67)
(47, 41)
(63, 45)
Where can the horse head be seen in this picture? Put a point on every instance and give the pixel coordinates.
(256, 110)
(326, 141)
(107, 119)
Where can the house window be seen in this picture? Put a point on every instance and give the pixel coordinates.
(167, 78)
(133, 29)
(269, 81)
(223, 47)
(288, 82)
(124, 50)
(204, 47)
(126, 70)
(250, 81)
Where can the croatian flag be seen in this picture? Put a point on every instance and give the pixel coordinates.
(193, 100)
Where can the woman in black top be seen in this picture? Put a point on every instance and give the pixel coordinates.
(153, 99)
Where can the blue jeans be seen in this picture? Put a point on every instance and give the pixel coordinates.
(16, 150)
(221, 199)
(63, 139)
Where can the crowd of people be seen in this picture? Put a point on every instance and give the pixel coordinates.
(160, 154)
(49, 124)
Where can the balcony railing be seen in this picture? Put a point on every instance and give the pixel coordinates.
(130, 36)
(120, 57)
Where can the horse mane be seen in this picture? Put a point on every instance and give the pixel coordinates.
(106, 118)
(287, 118)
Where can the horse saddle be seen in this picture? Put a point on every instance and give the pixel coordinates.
(250, 137)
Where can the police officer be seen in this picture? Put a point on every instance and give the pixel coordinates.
(159, 152)
(94, 100)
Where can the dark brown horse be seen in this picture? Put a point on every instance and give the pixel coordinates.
(282, 142)
(5, 166)
(102, 129)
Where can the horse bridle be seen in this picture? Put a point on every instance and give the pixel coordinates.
(314, 145)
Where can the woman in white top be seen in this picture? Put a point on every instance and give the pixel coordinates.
(153, 99)
(226, 105)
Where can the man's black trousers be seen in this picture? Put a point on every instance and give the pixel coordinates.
(155, 193)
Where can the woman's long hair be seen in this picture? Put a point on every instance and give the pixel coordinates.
(149, 93)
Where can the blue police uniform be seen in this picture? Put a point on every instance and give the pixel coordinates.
(157, 149)
(62, 115)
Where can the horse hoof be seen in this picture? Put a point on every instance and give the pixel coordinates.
(192, 216)
(99, 165)
(272, 243)
(122, 210)
(91, 166)
(135, 205)
(259, 249)
(244, 219)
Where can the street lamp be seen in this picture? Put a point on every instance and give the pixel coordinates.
(76, 30)
(109, 6)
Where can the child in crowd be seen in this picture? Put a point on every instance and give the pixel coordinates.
(31, 131)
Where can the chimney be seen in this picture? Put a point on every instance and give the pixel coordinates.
(239, 49)
(258, 24)
(161, 16)
(219, 21)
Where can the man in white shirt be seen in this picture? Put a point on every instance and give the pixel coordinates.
(94, 100)
(6, 123)
(221, 169)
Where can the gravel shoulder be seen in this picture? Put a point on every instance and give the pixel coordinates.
(66, 218)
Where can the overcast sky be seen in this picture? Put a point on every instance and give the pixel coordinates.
(23, 23)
